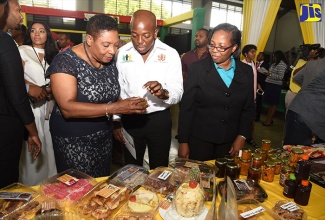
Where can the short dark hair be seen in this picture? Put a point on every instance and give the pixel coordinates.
(279, 55)
(248, 48)
(235, 34)
(205, 30)
(67, 35)
(3, 1)
(100, 22)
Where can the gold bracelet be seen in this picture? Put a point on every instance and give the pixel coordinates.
(106, 113)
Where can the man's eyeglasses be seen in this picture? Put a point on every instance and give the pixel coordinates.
(220, 49)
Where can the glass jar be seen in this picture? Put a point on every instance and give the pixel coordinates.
(272, 157)
(246, 153)
(256, 161)
(295, 156)
(278, 164)
(229, 158)
(285, 173)
(254, 174)
(262, 153)
(221, 165)
(244, 166)
(270, 153)
(232, 170)
(268, 171)
(266, 145)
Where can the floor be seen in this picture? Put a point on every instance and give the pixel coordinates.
(273, 133)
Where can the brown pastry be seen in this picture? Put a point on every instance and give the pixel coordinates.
(101, 213)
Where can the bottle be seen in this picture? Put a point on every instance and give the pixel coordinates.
(303, 193)
(232, 170)
(266, 145)
(257, 160)
(285, 174)
(268, 171)
(295, 156)
(290, 186)
(221, 165)
(244, 166)
(254, 174)
(303, 167)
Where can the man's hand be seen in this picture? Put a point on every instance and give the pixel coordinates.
(37, 92)
(156, 89)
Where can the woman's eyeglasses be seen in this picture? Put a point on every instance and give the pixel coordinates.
(220, 49)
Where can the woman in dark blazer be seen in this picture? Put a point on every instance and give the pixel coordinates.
(217, 107)
(15, 110)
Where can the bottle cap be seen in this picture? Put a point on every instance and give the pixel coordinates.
(304, 182)
(292, 176)
(305, 157)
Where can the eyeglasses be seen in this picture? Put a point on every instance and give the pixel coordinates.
(220, 49)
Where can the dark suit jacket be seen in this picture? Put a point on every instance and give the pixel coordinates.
(211, 111)
(13, 95)
(260, 76)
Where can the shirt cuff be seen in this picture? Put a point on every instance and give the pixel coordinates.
(27, 87)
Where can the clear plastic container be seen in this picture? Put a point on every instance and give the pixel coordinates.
(67, 193)
(283, 210)
(134, 217)
(253, 209)
(58, 216)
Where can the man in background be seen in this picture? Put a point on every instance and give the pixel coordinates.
(19, 35)
(199, 52)
(63, 41)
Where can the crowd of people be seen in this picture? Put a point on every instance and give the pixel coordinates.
(62, 104)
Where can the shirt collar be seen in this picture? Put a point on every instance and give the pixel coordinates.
(232, 66)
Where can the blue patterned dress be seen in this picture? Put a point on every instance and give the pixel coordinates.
(84, 144)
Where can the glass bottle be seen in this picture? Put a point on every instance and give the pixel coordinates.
(256, 161)
(232, 170)
(295, 156)
(266, 145)
(229, 158)
(221, 165)
(303, 168)
(285, 173)
(254, 174)
(244, 166)
(303, 193)
(246, 153)
(278, 164)
(268, 171)
(290, 186)
(263, 153)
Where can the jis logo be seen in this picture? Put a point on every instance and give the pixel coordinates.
(310, 12)
(127, 57)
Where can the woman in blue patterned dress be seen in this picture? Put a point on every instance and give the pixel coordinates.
(84, 82)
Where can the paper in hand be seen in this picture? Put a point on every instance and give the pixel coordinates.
(129, 143)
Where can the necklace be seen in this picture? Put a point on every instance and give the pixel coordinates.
(90, 59)
(43, 67)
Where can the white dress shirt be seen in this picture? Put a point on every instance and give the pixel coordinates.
(163, 65)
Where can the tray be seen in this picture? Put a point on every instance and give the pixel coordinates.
(284, 213)
(247, 206)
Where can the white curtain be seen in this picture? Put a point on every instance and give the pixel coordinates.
(318, 27)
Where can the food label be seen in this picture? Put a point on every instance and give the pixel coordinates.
(16, 195)
(164, 175)
(107, 191)
(252, 212)
(190, 164)
(67, 179)
(242, 185)
(290, 206)
(127, 173)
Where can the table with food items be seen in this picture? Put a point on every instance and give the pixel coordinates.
(248, 186)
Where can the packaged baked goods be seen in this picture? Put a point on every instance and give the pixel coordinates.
(67, 187)
(245, 190)
(58, 216)
(102, 201)
(162, 180)
(284, 210)
(131, 176)
(134, 216)
(18, 201)
(253, 210)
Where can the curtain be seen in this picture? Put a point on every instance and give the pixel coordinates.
(259, 16)
(319, 30)
(307, 29)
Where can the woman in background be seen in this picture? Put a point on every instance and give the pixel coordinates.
(37, 54)
(15, 111)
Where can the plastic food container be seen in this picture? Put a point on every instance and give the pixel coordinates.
(131, 176)
(134, 217)
(24, 203)
(102, 201)
(67, 187)
(162, 180)
(284, 210)
(253, 210)
(58, 216)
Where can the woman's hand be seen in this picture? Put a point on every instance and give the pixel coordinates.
(117, 131)
(183, 150)
(130, 106)
(37, 92)
(237, 145)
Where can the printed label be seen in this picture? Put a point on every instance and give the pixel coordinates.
(242, 185)
(67, 179)
(107, 191)
(127, 173)
(290, 206)
(164, 175)
(252, 212)
(16, 195)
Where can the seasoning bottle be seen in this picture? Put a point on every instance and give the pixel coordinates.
(290, 186)
(285, 173)
(278, 164)
(266, 145)
(303, 193)
(232, 170)
(256, 161)
(229, 158)
(244, 166)
(295, 155)
(268, 171)
(262, 153)
(221, 165)
(254, 174)
(303, 168)
(246, 153)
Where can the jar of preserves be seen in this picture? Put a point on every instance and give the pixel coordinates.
(295, 156)
(256, 161)
(262, 153)
(278, 164)
(268, 171)
(266, 145)
(244, 166)
(285, 173)
(232, 170)
(246, 153)
(221, 165)
(229, 158)
(254, 174)
(272, 157)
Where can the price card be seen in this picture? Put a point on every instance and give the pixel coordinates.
(107, 191)
(164, 175)
(290, 206)
(252, 212)
(127, 173)
(16, 195)
(67, 179)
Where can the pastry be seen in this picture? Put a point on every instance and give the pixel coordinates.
(143, 201)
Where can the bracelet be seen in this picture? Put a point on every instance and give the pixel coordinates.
(106, 113)
(243, 137)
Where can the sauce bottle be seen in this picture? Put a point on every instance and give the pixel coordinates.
(290, 186)
(302, 170)
(303, 193)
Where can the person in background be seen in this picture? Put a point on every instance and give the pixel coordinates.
(150, 69)
(262, 66)
(84, 82)
(37, 54)
(217, 107)
(199, 52)
(14, 19)
(19, 35)
(15, 111)
(63, 41)
(273, 85)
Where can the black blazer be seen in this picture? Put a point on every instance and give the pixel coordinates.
(13, 95)
(211, 111)
(260, 76)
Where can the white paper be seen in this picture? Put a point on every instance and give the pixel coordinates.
(129, 143)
